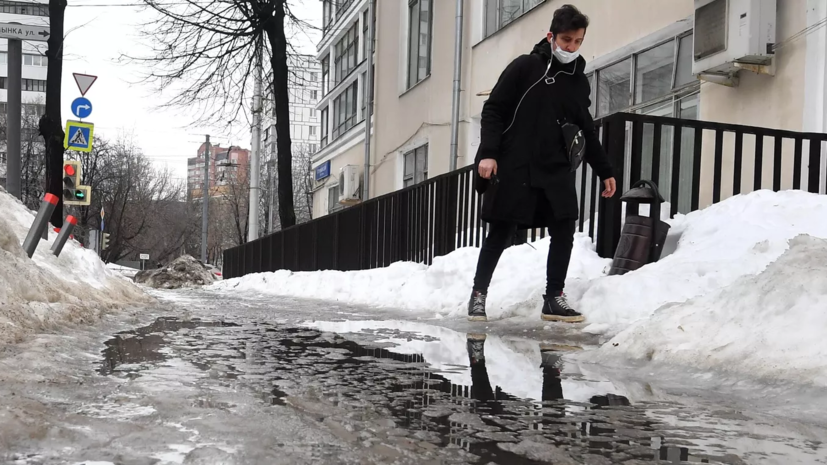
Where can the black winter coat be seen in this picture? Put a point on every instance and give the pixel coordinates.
(520, 130)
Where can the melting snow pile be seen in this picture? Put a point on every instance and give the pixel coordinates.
(184, 271)
(46, 291)
(706, 251)
(770, 324)
(442, 289)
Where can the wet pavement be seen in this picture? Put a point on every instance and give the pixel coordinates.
(261, 381)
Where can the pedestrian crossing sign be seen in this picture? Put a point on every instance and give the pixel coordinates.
(79, 136)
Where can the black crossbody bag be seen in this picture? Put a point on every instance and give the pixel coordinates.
(575, 144)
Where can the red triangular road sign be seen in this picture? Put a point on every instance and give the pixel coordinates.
(84, 82)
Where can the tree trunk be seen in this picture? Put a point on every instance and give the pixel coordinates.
(51, 127)
(284, 145)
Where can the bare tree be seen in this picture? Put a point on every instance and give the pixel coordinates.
(204, 52)
(144, 206)
(303, 183)
(51, 123)
(33, 162)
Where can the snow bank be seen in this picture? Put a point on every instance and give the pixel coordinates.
(769, 325)
(706, 251)
(712, 248)
(442, 289)
(44, 291)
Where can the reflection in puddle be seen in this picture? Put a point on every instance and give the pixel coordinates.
(145, 344)
(502, 401)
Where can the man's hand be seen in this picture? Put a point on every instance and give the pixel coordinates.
(611, 188)
(487, 168)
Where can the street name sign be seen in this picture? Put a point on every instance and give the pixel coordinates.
(24, 32)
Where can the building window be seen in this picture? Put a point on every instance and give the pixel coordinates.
(313, 148)
(314, 94)
(333, 204)
(324, 120)
(501, 13)
(419, 40)
(313, 77)
(24, 8)
(366, 94)
(416, 166)
(327, 13)
(653, 73)
(312, 112)
(312, 130)
(344, 111)
(658, 73)
(325, 75)
(28, 85)
(345, 58)
(342, 7)
(35, 60)
(613, 87)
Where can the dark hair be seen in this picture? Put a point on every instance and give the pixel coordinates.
(568, 18)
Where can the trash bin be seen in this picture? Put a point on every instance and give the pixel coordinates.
(642, 238)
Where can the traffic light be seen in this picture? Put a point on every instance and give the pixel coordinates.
(73, 192)
(105, 241)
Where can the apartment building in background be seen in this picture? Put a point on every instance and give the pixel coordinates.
(640, 57)
(34, 67)
(342, 106)
(229, 168)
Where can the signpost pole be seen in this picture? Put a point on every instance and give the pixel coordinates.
(13, 117)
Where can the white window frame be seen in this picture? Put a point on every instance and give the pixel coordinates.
(410, 82)
(410, 179)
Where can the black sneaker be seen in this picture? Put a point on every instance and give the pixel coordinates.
(476, 306)
(476, 348)
(558, 309)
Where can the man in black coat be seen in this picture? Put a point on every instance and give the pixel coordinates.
(524, 164)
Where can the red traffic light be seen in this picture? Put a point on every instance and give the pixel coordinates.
(69, 169)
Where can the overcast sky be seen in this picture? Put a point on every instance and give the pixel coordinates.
(103, 30)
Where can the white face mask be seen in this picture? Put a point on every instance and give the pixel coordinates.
(562, 55)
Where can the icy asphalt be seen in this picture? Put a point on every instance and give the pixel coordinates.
(206, 378)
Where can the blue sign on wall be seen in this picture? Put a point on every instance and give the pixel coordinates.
(323, 171)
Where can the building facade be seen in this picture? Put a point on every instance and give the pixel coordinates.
(342, 107)
(640, 56)
(228, 169)
(33, 87)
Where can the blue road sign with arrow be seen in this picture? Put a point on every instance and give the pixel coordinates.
(82, 107)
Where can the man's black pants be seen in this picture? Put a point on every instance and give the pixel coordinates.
(559, 254)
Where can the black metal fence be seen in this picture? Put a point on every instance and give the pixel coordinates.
(687, 158)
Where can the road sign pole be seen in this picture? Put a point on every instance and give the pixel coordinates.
(205, 201)
(13, 117)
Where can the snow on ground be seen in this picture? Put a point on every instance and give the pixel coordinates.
(442, 289)
(44, 291)
(770, 324)
(710, 249)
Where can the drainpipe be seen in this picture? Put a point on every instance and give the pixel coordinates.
(369, 104)
(457, 79)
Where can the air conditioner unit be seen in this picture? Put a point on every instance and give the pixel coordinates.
(349, 192)
(731, 35)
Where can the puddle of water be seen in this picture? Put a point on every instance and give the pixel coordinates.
(128, 350)
(502, 401)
